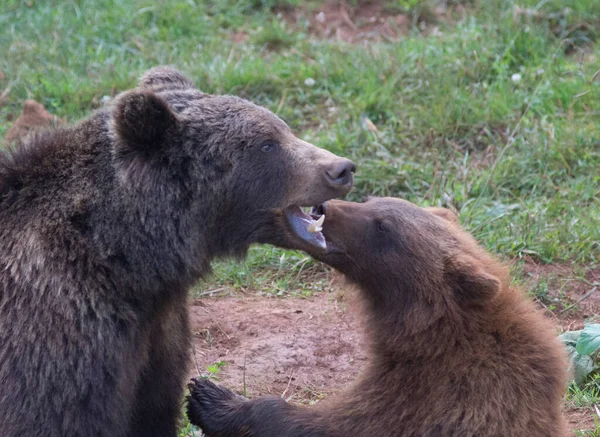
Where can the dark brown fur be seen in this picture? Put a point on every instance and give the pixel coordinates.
(455, 351)
(103, 227)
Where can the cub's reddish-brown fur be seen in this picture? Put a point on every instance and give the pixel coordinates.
(455, 350)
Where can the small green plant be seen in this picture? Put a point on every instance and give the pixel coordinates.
(274, 36)
(584, 391)
(186, 428)
(407, 5)
(213, 370)
(583, 348)
(413, 7)
(541, 291)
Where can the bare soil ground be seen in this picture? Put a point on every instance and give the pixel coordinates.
(572, 297)
(366, 21)
(305, 349)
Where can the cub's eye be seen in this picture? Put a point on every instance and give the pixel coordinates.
(267, 147)
(381, 227)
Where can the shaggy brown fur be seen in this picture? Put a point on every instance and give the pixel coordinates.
(455, 351)
(33, 119)
(103, 227)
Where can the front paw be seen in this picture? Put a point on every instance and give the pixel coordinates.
(213, 408)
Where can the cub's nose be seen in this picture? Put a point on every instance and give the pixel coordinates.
(319, 209)
(340, 173)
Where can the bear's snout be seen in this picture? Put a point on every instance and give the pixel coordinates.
(340, 173)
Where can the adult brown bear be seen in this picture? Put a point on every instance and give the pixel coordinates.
(103, 227)
(455, 351)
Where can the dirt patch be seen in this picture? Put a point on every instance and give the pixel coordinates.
(580, 419)
(301, 348)
(33, 118)
(369, 21)
(341, 22)
(571, 298)
(239, 37)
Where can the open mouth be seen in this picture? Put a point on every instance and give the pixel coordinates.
(307, 227)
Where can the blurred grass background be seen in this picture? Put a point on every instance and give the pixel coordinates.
(495, 113)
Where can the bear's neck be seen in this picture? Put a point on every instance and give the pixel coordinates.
(148, 221)
(407, 327)
(167, 245)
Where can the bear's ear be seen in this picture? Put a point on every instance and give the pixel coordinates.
(469, 279)
(164, 78)
(444, 213)
(141, 120)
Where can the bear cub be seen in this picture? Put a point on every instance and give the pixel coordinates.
(455, 351)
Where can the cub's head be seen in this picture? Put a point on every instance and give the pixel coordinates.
(236, 163)
(402, 254)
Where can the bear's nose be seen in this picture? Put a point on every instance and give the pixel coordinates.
(341, 172)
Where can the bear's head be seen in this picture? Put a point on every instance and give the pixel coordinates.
(404, 256)
(236, 164)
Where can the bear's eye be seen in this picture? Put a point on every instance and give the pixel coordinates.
(381, 227)
(267, 147)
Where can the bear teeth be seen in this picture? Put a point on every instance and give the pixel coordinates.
(317, 226)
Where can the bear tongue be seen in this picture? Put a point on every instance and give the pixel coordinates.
(305, 227)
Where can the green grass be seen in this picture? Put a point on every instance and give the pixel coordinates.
(595, 432)
(519, 159)
(496, 116)
(268, 270)
(587, 395)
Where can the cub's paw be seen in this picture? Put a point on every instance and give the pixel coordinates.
(212, 408)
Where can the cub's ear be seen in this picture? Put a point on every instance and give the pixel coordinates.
(469, 279)
(163, 78)
(141, 121)
(444, 213)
